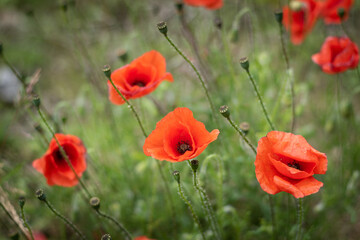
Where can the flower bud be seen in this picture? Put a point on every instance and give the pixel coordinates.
(224, 110)
(194, 165)
(179, 7)
(95, 203)
(36, 101)
(40, 194)
(341, 13)
(279, 16)
(123, 55)
(244, 127)
(176, 175)
(107, 71)
(244, 62)
(162, 27)
(106, 237)
(21, 201)
(218, 23)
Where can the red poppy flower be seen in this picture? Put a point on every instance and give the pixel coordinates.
(300, 18)
(55, 168)
(210, 4)
(337, 54)
(39, 236)
(178, 137)
(286, 163)
(331, 7)
(143, 238)
(139, 78)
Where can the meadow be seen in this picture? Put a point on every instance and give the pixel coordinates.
(55, 75)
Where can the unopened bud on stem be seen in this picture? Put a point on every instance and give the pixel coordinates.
(341, 13)
(107, 71)
(194, 165)
(279, 16)
(162, 27)
(244, 62)
(106, 237)
(176, 175)
(21, 201)
(36, 101)
(224, 110)
(40, 194)
(95, 203)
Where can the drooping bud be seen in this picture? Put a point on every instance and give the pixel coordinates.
(176, 175)
(40, 194)
(162, 27)
(36, 101)
(95, 203)
(21, 201)
(224, 110)
(245, 127)
(218, 23)
(107, 71)
(244, 62)
(106, 237)
(279, 16)
(194, 165)
(341, 13)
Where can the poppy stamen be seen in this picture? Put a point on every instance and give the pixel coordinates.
(138, 83)
(183, 146)
(294, 165)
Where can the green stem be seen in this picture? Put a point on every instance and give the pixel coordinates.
(130, 106)
(358, 72)
(299, 217)
(260, 100)
(206, 205)
(290, 77)
(193, 214)
(125, 232)
(272, 213)
(13, 220)
(68, 222)
(242, 135)
(63, 153)
(18, 76)
(25, 222)
(197, 74)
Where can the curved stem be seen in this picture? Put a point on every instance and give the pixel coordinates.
(242, 135)
(63, 153)
(130, 106)
(25, 222)
(68, 222)
(193, 214)
(125, 232)
(260, 100)
(197, 74)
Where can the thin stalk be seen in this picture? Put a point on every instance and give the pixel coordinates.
(290, 77)
(273, 221)
(300, 215)
(18, 76)
(242, 135)
(125, 232)
(13, 220)
(63, 153)
(206, 205)
(339, 126)
(193, 214)
(129, 106)
(25, 222)
(260, 100)
(196, 72)
(358, 72)
(67, 222)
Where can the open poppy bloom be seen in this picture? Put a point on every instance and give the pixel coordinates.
(337, 54)
(53, 165)
(331, 8)
(286, 163)
(138, 78)
(300, 17)
(210, 4)
(178, 137)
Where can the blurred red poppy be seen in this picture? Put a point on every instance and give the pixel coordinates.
(139, 78)
(300, 17)
(178, 137)
(330, 10)
(286, 163)
(39, 236)
(210, 4)
(337, 54)
(55, 168)
(143, 238)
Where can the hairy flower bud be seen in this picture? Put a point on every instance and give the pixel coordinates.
(224, 110)
(107, 71)
(244, 62)
(95, 203)
(40, 194)
(194, 165)
(176, 175)
(162, 27)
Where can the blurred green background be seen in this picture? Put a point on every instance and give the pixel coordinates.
(66, 43)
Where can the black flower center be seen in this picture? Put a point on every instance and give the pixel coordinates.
(58, 157)
(294, 164)
(139, 83)
(183, 146)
